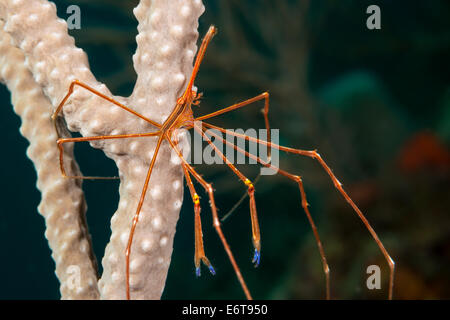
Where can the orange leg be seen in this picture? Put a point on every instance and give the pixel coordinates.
(144, 189)
(198, 60)
(216, 223)
(256, 237)
(199, 249)
(136, 215)
(314, 155)
(265, 111)
(60, 143)
(305, 204)
(101, 95)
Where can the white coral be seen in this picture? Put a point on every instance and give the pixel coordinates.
(62, 205)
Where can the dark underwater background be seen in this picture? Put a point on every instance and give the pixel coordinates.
(375, 103)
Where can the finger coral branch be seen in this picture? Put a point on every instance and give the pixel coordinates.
(62, 205)
(165, 51)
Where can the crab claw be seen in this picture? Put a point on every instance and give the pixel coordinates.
(211, 269)
(256, 258)
(207, 263)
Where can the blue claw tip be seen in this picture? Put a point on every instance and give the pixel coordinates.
(256, 258)
(211, 269)
(197, 272)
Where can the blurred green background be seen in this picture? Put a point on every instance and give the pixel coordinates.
(375, 103)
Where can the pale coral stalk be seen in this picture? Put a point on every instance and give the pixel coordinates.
(62, 205)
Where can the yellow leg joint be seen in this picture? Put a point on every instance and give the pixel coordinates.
(248, 183)
(196, 199)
